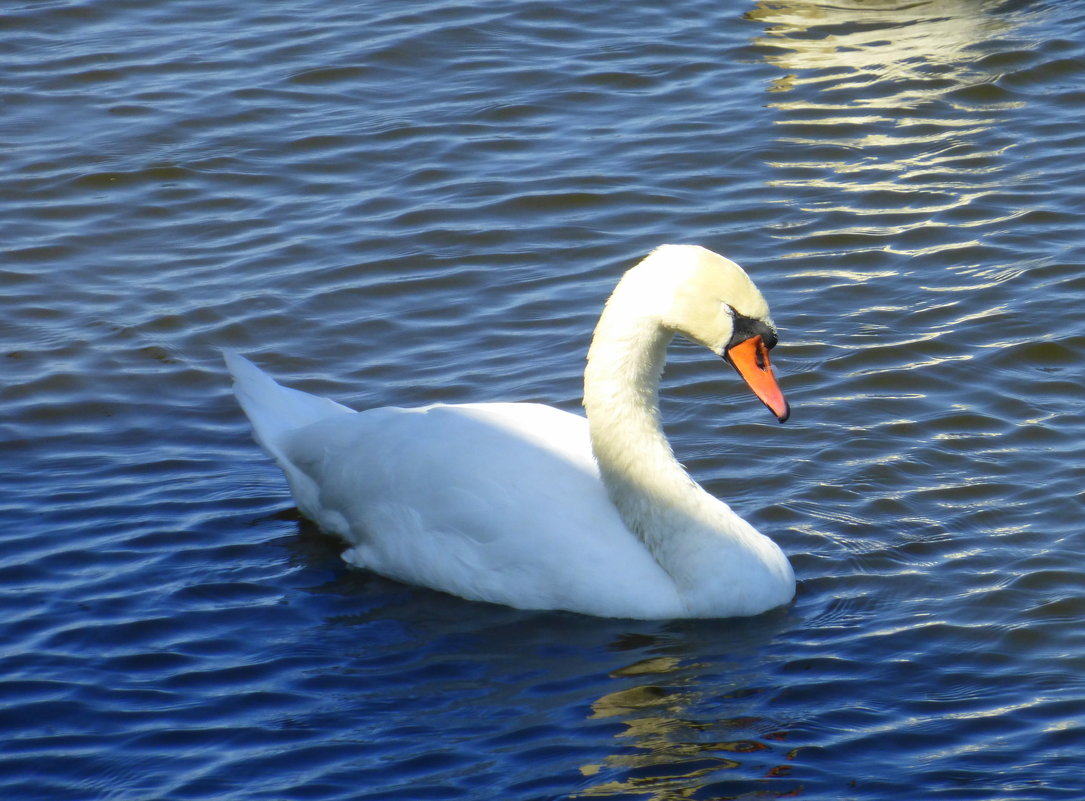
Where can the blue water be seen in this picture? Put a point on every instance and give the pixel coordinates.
(400, 203)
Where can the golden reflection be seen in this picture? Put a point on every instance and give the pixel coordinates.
(888, 120)
(876, 40)
(666, 752)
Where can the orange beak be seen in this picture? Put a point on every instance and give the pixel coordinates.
(751, 358)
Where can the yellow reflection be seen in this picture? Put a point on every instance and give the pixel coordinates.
(894, 39)
(665, 753)
(658, 664)
(885, 112)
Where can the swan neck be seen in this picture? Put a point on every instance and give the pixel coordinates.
(621, 397)
(716, 559)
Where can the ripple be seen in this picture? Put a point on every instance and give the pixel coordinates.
(392, 204)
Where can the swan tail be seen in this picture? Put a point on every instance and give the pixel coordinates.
(275, 410)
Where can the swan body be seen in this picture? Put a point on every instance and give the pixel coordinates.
(530, 506)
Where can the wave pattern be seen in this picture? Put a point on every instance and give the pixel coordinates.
(393, 203)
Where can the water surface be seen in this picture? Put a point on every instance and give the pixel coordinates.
(399, 203)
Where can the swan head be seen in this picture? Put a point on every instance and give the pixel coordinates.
(710, 300)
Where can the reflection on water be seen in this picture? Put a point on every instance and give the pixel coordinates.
(893, 39)
(890, 121)
(409, 202)
(685, 727)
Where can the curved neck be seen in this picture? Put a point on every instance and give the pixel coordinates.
(716, 559)
(646, 484)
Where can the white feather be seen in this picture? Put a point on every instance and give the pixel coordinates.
(530, 506)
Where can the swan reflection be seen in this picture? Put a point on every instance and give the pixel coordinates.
(685, 732)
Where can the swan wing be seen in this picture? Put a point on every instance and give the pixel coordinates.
(494, 502)
(497, 502)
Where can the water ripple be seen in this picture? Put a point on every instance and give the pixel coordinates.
(394, 204)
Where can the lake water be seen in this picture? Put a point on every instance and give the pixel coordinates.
(401, 203)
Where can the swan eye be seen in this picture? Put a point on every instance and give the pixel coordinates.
(744, 328)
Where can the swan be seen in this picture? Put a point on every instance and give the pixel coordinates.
(529, 506)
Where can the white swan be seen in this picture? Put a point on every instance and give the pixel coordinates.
(526, 505)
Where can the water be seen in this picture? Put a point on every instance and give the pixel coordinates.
(401, 203)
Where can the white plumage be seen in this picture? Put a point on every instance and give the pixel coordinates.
(526, 505)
